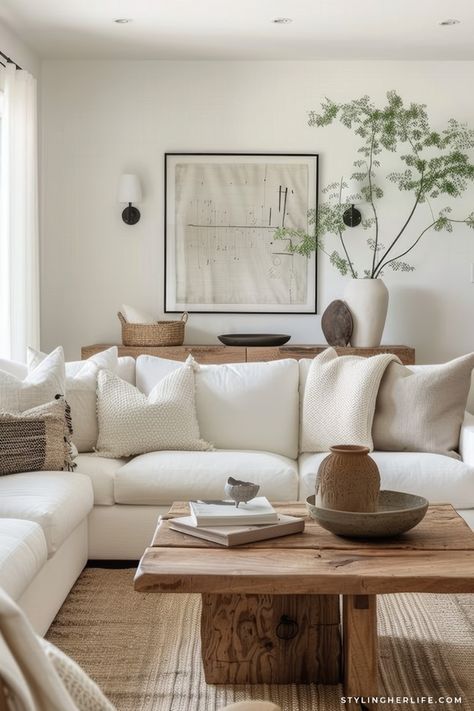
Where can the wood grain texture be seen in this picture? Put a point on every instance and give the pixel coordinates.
(241, 354)
(203, 354)
(244, 589)
(405, 353)
(441, 529)
(272, 571)
(360, 646)
(241, 644)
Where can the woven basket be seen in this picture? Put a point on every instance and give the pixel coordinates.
(162, 333)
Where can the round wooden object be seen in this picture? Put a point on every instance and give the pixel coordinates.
(336, 323)
(349, 480)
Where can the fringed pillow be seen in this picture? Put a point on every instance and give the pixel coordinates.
(36, 440)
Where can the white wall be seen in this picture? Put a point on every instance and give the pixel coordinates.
(16, 49)
(104, 118)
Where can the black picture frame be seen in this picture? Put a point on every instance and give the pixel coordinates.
(168, 156)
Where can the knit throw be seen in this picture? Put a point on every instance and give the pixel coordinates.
(339, 400)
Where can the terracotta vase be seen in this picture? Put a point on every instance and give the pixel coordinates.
(348, 480)
(367, 300)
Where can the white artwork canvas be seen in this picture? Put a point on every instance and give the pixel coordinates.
(222, 213)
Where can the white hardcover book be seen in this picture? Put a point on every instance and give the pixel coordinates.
(259, 511)
(237, 535)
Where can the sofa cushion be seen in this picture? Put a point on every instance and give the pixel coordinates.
(438, 478)
(239, 406)
(125, 368)
(164, 477)
(58, 501)
(23, 552)
(101, 471)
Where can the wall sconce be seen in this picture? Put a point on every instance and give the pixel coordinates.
(352, 217)
(130, 191)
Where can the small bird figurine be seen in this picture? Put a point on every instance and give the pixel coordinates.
(241, 490)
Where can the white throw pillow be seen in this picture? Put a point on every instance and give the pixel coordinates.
(133, 315)
(132, 423)
(41, 385)
(81, 394)
(239, 405)
(84, 692)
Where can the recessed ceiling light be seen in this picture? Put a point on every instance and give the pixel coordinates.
(282, 20)
(446, 23)
(123, 20)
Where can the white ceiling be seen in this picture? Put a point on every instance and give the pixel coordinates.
(243, 29)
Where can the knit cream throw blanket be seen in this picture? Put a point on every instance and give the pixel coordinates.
(339, 400)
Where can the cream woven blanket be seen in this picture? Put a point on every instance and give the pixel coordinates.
(339, 400)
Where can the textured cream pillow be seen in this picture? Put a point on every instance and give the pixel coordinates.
(421, 408)
(84, 692)
(81, 394)
(43, 382)
(132, 423)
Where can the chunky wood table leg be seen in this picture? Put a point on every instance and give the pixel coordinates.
(271, 639)
(360, 646)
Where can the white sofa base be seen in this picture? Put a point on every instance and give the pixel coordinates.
(468, 516)
(122, 532)
(47, 592)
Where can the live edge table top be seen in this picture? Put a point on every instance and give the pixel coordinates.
(437, 556)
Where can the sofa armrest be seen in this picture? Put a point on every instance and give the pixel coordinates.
(466, 439)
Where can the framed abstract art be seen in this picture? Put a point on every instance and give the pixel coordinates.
(221, 213)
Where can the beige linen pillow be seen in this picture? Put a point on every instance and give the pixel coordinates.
(81, 395)
(421, 408)
(132, 423)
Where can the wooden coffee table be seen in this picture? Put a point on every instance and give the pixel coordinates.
(270, 610)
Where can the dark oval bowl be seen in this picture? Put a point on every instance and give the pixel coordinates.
(253, 339)
(397, 512)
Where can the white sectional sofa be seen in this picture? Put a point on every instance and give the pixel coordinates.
(52, 522)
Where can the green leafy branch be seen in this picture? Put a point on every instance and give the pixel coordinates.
(434, 165)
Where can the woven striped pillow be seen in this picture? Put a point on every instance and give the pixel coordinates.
(37, 439)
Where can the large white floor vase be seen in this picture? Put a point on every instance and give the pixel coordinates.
(367, 300)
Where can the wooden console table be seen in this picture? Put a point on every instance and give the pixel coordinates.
(241, 354)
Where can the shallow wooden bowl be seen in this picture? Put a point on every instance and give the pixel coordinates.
(396, 513)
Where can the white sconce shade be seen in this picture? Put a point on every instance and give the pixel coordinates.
(129, 188)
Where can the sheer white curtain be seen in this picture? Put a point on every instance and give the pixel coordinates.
(19, 239)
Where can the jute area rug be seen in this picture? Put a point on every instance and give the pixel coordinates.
(144, 650)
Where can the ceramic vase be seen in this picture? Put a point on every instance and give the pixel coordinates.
(367, 300)
(348, 480)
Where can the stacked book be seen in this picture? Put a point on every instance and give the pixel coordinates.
(223, 523)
